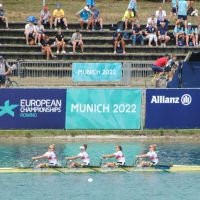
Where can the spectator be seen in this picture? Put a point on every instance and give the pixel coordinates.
(137, 35)
(173, 8)
(5, 70)
(96, 18)
(190, 3)
(151, 34)
(182, 10)
(46, 48)
(85, 15)
(133, 5)
(161, 17)
(163, 34)
(152, 20)
(179, 35)
(76, 40)
(190, 35)
(171, 67)
(39, 33)
(128, 18)
(30, 33)
(45, 17)
(90, 3)
(3, 18)
(197, 35)
(59, 16)
(60, 42)
(118, 40)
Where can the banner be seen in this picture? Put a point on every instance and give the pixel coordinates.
(32, 108)
(172, 108)
(96, 72)
(103, 109)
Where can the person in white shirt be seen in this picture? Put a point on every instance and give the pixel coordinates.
(29, 32)
(118, 155)
(39, 33)
(152, 20)
(152, 155)
(161, 16)
(83, 155)
(50, 155)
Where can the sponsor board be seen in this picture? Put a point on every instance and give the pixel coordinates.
(32, 108)
(92, 72)
(172, 108)
(103, 109)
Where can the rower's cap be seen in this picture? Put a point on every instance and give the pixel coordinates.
(52, 146)
(82, 147)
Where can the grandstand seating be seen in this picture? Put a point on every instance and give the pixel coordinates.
(98, 46)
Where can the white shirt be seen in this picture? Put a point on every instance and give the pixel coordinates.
(29, 28)
(160, 14)
(153, 21)
(84, 157)
(51, 157)
(120, 157)
(153, 156)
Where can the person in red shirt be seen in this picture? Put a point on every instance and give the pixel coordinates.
(159, 64)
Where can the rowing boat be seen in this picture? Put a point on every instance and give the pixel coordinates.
(174, 168)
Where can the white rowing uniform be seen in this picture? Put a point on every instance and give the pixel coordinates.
(120, 157)
(84, 158)
(153, 157)
(53, 161)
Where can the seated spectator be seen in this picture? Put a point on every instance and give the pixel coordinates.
(197, 35)
(182, 10)
(85, 15)
(190, 35)
(152, 20)
(137, 35)
(30, 33)
(45, 17)
(90, 3)
(59, 17)
(179, 35)
(96, 18)
(133, 5)
(46, 48)
(76, 40)
(161, 17)
(150, 34)
(173, 8)
(60, 42)
(118, 40)
(190, 3)
(3, 18)
(39, 33)
(163, 34)
(128, 18)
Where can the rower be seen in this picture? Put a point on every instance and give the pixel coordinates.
(152, 155)
(118, 155)
(50, 155)
(83, 155)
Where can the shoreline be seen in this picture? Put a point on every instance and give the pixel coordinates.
(100, 135)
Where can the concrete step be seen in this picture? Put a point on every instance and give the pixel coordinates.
(88, 56)
(102, 49)
(21, 25)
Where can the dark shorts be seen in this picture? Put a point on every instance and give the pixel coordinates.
(2, 79)
(167, 69)
(157, 68)
(174, 10)
(31, 36)
(184, 17)
(120, 163)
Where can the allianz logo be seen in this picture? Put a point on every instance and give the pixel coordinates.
(185, 100)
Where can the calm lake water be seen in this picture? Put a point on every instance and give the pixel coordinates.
(118, 186)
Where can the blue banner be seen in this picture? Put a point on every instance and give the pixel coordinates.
(172, 108)
(32, 108)
(96, 72)
(103, 109)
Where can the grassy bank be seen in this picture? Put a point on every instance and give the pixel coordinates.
(57, 133)
(111, 10)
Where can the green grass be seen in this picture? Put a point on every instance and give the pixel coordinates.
(55, 133)
(111, 10)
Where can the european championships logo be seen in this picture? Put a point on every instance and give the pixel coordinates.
(8, 109)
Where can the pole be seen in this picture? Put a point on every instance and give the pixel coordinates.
(44, 3)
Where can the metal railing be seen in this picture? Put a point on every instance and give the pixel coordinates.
(59, 74)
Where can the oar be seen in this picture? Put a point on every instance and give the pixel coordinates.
(31, 163)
